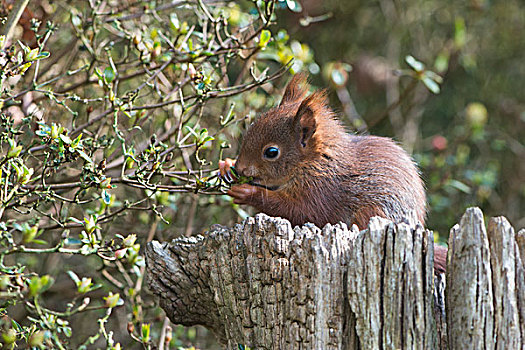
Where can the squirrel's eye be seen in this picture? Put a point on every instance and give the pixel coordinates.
(271, 152)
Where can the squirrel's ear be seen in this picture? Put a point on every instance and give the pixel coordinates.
(296, 89)
(305, 118)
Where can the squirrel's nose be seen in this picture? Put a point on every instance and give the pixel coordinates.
(243, 170)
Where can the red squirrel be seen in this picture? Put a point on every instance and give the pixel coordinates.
(304, 167)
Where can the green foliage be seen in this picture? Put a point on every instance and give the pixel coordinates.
(111, 123)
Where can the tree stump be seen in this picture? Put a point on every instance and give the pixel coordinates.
(485, 285)
(267, 285)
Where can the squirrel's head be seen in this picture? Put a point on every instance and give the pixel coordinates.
(297, 133)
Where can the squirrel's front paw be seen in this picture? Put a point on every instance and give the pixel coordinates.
(245, 194)
(225, 170)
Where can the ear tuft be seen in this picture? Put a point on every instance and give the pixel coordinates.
(305, 119)
(296, 89)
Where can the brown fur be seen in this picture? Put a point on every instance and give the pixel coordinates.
(324, 175)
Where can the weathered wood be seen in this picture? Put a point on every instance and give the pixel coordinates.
(505, 265)
(262, 283)
(520, 272)
(390, 286)
(268, 286)
(469, 297)
(520, 239)
(440, 283)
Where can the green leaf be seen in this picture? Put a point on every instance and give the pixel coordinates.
(431, 84)
(24, 68)
(24, 47)
(42, 133)
(29, 233)
(67, 331)
(207, 138)
(436, 77)
(264, 38)
(145, 332)
(14, 152)
(16, 326)
(174, 22)
(42, 55)
(39, 241)
(32, 54)
(72, 241)
(414, 64)
(38, 285)
(460, 186)
(294, 5)
(460, 33)
(75, 220)
(84, 156)
(76, 141)
(109, 75)
(106, 197)
(74, 277)
(66, 139)
(76, 21)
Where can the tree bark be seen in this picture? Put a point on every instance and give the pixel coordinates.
(267, 285)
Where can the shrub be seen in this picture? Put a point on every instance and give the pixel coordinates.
(113, 118)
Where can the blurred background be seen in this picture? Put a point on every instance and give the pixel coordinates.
(116, 113)
(469, 138)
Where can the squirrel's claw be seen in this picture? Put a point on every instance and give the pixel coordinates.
(225, 172)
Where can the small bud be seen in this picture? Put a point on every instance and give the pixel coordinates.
(26, 175)
(54, 131)
(32, 54)
(157, 49)
(119, 254)
(131, 328)
(137, 38)
(36, 339)
(29, 234)
(191, 71)
(84, 285)
(102, 165)
(112, 300)
(14, 151)
(106, 183)
(4, 282)
(130, 240)
(90, 224)
(146, 332)
(9, 337)
(169, 335)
